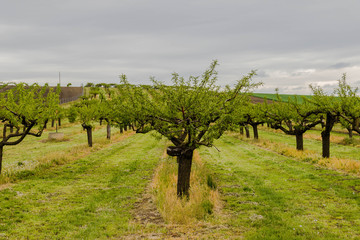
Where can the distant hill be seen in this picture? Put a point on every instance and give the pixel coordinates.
(284, 97)
(67, 94)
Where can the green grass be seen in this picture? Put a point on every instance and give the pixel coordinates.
(284, 97)
(270, 196)
(336, 150)
(91, 198)
(25, 155)
(266, 195)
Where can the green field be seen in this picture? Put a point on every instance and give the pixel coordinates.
(283, 97)
(264, 195)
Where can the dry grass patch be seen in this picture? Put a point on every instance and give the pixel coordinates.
(346, 165)
(204, 198)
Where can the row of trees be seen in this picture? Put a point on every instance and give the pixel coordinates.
(296, 116)
(25, 110)
(190, 113)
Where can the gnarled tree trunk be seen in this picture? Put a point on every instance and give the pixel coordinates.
(241, 130)
(1, 156)
(255, 129)
(184, 169)
(184, 160)
(108, 131)
(89, 135)
(325, 134)
(247, 131)
(299, 141)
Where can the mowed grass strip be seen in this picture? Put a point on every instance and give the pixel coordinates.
(270, 196)
(25, 155)
(90, 198)
(336, 150)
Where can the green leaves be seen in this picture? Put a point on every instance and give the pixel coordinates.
(192, 112)
(23, 104)
(87, 111)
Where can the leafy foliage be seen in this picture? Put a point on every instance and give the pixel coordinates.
(21, 108)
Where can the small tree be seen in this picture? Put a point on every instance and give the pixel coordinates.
(330, 110)
(350, 106)
(191, 114)
(255, 115)
(106, 111)
(22, 108)
(293, 118)
(87, 110)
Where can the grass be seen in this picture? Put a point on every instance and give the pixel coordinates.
(244, 191)
(284, 97)
(35, 153)
(90, 198)
(269, 196)
(314, 144)
(204, 197)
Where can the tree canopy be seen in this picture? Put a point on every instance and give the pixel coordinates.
(21, 108)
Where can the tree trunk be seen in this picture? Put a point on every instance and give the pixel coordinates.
(121, 129)
(184, 169)
(59, 122)
(125, 128)
(11, 128)
(108, 131)
(241, 130)
(100, 122)
(89, 135)
(52, 123)
(256, 133)
(1, 156)
(325, 135)
(299, 141)
(350, 132)
(247, 131)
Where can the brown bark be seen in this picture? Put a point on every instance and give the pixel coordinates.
(89, 135)
(1, 156)
(350, 133)
(108, 131)
(247, 131)
(241, 130)
(325, 135)
(184, 169)
(255, 130)
(299, 141)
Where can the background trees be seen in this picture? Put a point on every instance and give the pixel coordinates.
(293, 118)
(350, 106)
(22, 108)
(329, 109)
(87, 111)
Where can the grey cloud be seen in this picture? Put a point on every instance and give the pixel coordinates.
(340, 65)
(97, 41)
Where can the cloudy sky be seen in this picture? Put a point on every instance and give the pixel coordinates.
(291, 43)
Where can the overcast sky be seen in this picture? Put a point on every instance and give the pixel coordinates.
(290, 43)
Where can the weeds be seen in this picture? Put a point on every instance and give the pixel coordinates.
(204, 198)
(345, 165)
